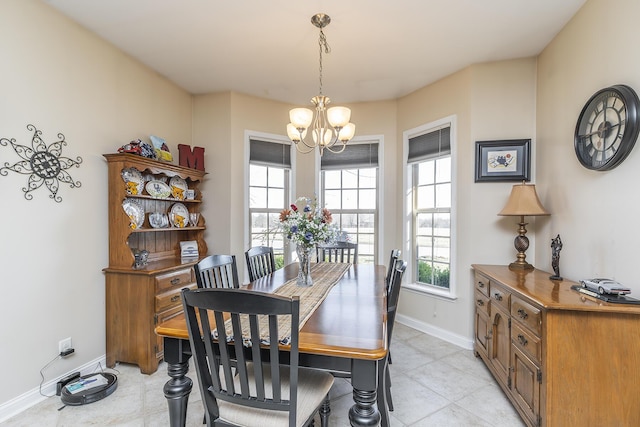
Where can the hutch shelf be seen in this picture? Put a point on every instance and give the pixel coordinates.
(137, 298)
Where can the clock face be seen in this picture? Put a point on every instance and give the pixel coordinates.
(607, 128)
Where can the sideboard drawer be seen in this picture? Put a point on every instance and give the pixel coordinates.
(176, 279)
(482, 284)
(482, 302)
(171, 299)
(500, 296)
(526, 314)
(527, 342)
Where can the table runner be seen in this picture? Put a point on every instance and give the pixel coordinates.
(325, 275)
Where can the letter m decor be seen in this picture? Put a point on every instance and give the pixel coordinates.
(191, 159)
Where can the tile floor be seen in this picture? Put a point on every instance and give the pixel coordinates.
(434, 384)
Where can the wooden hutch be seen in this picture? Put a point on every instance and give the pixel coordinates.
(137, 298)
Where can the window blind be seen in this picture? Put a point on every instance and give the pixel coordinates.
(269, 153)
(430, 145)
(353, 156)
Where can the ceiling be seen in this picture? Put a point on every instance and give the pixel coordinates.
(380, 49)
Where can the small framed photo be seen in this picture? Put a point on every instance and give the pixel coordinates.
(506, 160)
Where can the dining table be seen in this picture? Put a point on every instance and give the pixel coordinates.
(344, 332)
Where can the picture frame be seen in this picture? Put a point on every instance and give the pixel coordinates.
(503, 160)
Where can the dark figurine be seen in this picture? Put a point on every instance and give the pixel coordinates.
(556, 247)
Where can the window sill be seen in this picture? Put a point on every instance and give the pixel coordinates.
(431, 291)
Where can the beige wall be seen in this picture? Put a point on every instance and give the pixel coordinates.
(61, 78)
(594, 212)
(220, 123)
(490, 101)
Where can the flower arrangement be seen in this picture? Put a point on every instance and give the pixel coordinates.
(306, 224)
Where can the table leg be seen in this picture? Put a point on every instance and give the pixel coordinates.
(178, 388)
(364, 376)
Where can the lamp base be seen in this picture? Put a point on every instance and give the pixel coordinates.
(517, 265)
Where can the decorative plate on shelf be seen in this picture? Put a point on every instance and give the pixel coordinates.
(179, 215)
(178, 187)
(135, 211)
(158, 220)
(158, 189)
(133, 180)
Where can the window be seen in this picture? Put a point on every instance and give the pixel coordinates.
(269, 193)
(430, 189)
(349, 190)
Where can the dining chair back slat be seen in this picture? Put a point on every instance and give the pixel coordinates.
(338, 252)
(243, 376)
(217, 271)
(260, 262)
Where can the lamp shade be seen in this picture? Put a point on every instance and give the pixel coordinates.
(347, 132)
(523, 201)
(301, 117)
(338, 116)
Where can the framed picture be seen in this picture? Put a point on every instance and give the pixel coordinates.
(507, 160)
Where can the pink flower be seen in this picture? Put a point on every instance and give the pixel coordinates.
(326, 216)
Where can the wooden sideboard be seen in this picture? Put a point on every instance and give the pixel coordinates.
(561, 357)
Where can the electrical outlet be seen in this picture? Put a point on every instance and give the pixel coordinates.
(64, 344)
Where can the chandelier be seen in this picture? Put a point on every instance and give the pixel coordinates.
(327, 126)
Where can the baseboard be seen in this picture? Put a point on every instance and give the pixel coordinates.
(26, 400)
(443, 334)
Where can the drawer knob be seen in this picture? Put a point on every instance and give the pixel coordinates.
(175, 298)
(497, 296)
(522, 340)
(523, 314)
(480, 284)
(175, 281)
(480, 302)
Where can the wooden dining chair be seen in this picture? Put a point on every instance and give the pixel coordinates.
(242, 381)
(217, 271)
(260, 262)
(395, 254)
(338, 252)
(393, 258)
(393, 295)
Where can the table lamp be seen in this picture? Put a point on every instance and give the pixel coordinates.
(522, 202)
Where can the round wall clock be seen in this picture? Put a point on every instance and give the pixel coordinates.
(607, 128)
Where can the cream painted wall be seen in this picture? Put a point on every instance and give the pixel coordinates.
(594, 212)
(491, 101)
(63, 79)
(220, 122)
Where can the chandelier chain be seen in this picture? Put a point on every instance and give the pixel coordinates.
(323, 44)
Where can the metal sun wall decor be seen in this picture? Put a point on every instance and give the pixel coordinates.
(44, 164)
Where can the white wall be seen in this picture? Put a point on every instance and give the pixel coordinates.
(63, 79)
(594, 212)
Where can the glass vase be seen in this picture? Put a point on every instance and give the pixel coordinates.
(304, 267)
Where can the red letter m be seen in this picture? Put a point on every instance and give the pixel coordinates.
(191, 159)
